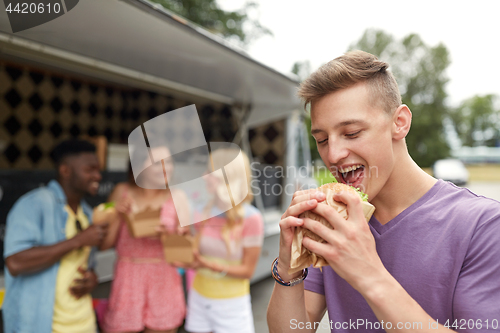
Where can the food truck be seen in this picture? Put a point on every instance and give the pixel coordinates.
(105, 67)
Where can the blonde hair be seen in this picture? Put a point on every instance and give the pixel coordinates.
(236, 214)
(346, 71)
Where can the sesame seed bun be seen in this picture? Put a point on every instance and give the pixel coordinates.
(336, 187)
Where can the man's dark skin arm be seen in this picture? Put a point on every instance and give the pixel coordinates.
(41, 257)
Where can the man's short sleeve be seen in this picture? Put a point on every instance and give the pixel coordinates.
(477, 291)
(23, 226)
(314, 281)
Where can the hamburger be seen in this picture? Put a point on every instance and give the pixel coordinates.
(302, 257)
(104, 213)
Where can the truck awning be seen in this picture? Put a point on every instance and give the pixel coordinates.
(136, 42)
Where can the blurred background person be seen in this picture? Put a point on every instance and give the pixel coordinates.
(229, 245)
(49, 263)
(147, 293)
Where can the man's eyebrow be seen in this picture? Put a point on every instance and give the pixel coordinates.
(342, 124)
(316, 130)
(351, 122)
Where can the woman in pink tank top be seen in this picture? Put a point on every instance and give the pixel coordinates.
(147, 293)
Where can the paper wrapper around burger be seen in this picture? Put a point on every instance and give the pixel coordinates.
(104, 213)
(178, 248)
(144, 223)
(302, 257)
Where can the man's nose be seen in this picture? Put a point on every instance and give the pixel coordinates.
(336, 152)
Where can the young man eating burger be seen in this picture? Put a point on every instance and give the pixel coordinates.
(428, 260)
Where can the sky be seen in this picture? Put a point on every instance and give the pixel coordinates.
(320, 30)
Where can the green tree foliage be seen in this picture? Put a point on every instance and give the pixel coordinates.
(477, 121)
(420, 72)
(303, 69)
(312, 142)
(236, 26)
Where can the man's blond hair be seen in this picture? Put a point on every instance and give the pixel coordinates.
(346, 71)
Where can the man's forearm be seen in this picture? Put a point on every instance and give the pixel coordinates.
(286, 304)
(398, 310)
(40, 257)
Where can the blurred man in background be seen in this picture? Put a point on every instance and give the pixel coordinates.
(48, 256)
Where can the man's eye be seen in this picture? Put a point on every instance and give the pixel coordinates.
(322, 141)
(352, 135)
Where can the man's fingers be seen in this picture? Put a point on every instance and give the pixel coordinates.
(80, 282)
(319, 229)
(304, 192)
(299, 208)
(301, 196)
(353, 202)
(322, 249)
(304, 202)
(291, 221)
(77, 292)
(77, 289)
(331, 215)
(312, 194)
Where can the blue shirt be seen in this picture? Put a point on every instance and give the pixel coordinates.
(38, 218)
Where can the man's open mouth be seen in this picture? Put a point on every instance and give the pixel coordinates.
(94, 186)
(352, 175)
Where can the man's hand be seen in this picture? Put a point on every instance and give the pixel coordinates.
(92, 236)
(302, 201)
(308, 307)
(84, 285)
(350, 246)
(124, 204)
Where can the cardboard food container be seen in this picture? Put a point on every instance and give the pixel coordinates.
(178, 248)
(301, 257)
(104, 213)
(144, 223)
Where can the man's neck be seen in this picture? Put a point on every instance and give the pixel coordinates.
(407, 183)
(73, 198)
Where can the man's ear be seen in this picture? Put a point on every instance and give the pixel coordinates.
(401, 122)
(64, 171)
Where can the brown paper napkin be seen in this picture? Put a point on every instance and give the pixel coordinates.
(302, 257)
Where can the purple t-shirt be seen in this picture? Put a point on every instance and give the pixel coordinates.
(445, 252)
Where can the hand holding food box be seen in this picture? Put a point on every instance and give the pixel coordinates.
(178, 245)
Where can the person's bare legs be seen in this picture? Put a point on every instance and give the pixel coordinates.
(148, 330)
